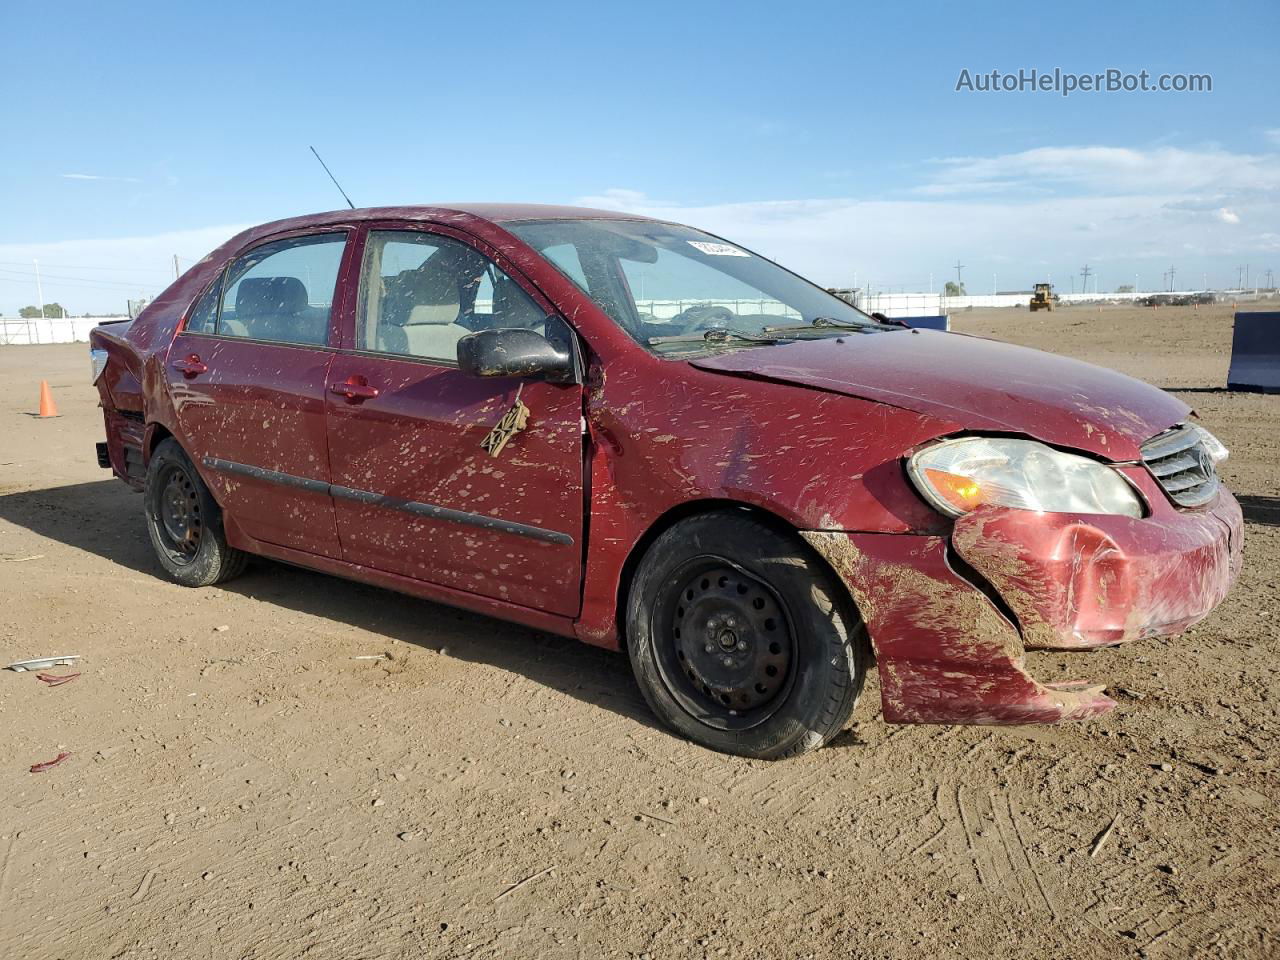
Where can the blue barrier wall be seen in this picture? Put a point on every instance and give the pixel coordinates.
(1255, 353)
(927, 323)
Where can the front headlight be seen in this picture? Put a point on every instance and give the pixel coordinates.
(1212, 445)
(957, 476)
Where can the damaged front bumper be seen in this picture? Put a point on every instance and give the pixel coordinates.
(950, 618)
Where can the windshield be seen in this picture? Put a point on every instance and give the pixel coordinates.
(668, 285)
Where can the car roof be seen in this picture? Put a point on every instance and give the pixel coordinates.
(492, 212)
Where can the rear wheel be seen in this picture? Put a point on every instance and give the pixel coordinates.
(184, 521)
(742, 639)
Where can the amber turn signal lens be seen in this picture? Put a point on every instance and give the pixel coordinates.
(963, 493)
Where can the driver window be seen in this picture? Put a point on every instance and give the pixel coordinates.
(421, 293)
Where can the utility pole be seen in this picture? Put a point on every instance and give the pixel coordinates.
(1172, 272)
(1240, 277)
(959, 267)
(1084, 287)
(994, 285)
(39, 300)
(1246, 275)
(176, 273)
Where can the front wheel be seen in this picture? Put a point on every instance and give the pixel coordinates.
(184, 521)
(742, 639)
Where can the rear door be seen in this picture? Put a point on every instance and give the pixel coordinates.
(415, 491)
(248, 375)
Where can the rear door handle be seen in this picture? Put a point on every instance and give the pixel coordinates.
(190, 367)
(355, 389)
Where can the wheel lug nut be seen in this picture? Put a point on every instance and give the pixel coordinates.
(709, 648)
(728, 661)
(742, 644)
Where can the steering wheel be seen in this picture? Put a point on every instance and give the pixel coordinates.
(704, 316)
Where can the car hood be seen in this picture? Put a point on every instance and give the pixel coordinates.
(973, 384)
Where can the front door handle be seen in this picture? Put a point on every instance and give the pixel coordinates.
(354, 389)
(190, 367)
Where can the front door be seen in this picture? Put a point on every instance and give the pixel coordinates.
(416, 493)
(248, 375)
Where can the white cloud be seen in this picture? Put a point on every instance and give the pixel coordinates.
(618, 198)
(899, 241)
(1051, 205)
(1096, 169)
(95, 176)
(101, 274)
(1019, 214)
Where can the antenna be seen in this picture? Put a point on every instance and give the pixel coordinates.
(335, 180)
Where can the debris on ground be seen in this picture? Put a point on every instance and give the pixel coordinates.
(49, 764)
(1102, 838)
(54, 680)
(529, 879)
(43, 663)
(144, 886)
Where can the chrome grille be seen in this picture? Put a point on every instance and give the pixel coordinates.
(1182, 465)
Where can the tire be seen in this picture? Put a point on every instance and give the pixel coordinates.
(742, 639)
(185, 523)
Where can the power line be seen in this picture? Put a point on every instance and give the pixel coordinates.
(81, 266)
(131, 284)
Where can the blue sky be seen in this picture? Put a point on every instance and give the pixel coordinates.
(828, 135)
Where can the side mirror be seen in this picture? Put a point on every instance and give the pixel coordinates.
(514, 353)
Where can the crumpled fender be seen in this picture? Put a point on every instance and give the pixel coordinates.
(945, 653)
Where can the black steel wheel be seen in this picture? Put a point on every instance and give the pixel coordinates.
(742, 639)
(731, 647)
(178, 511)
(184, 522)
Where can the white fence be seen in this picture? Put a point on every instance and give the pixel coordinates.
(666, 309)
(48, 329)
(936, 304)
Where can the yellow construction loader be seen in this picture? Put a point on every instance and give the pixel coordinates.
(1044, 298)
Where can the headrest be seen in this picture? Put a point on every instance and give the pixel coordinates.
(443, 277)
(270, 296)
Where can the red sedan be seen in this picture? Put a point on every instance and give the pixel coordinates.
(642, 435)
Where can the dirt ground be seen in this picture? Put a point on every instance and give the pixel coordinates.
(240, 786)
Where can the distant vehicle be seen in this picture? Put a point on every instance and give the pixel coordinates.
(647, 437)
(1043, 298)
(1178, 299)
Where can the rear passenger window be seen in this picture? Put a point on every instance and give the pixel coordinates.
(283, 291)
(421, 293)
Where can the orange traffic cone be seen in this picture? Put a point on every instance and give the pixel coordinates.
(47, 407)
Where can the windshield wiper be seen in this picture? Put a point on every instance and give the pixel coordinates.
(820, 323)
(714, 335)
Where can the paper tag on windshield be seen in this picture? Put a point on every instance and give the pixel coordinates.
(717, 249)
